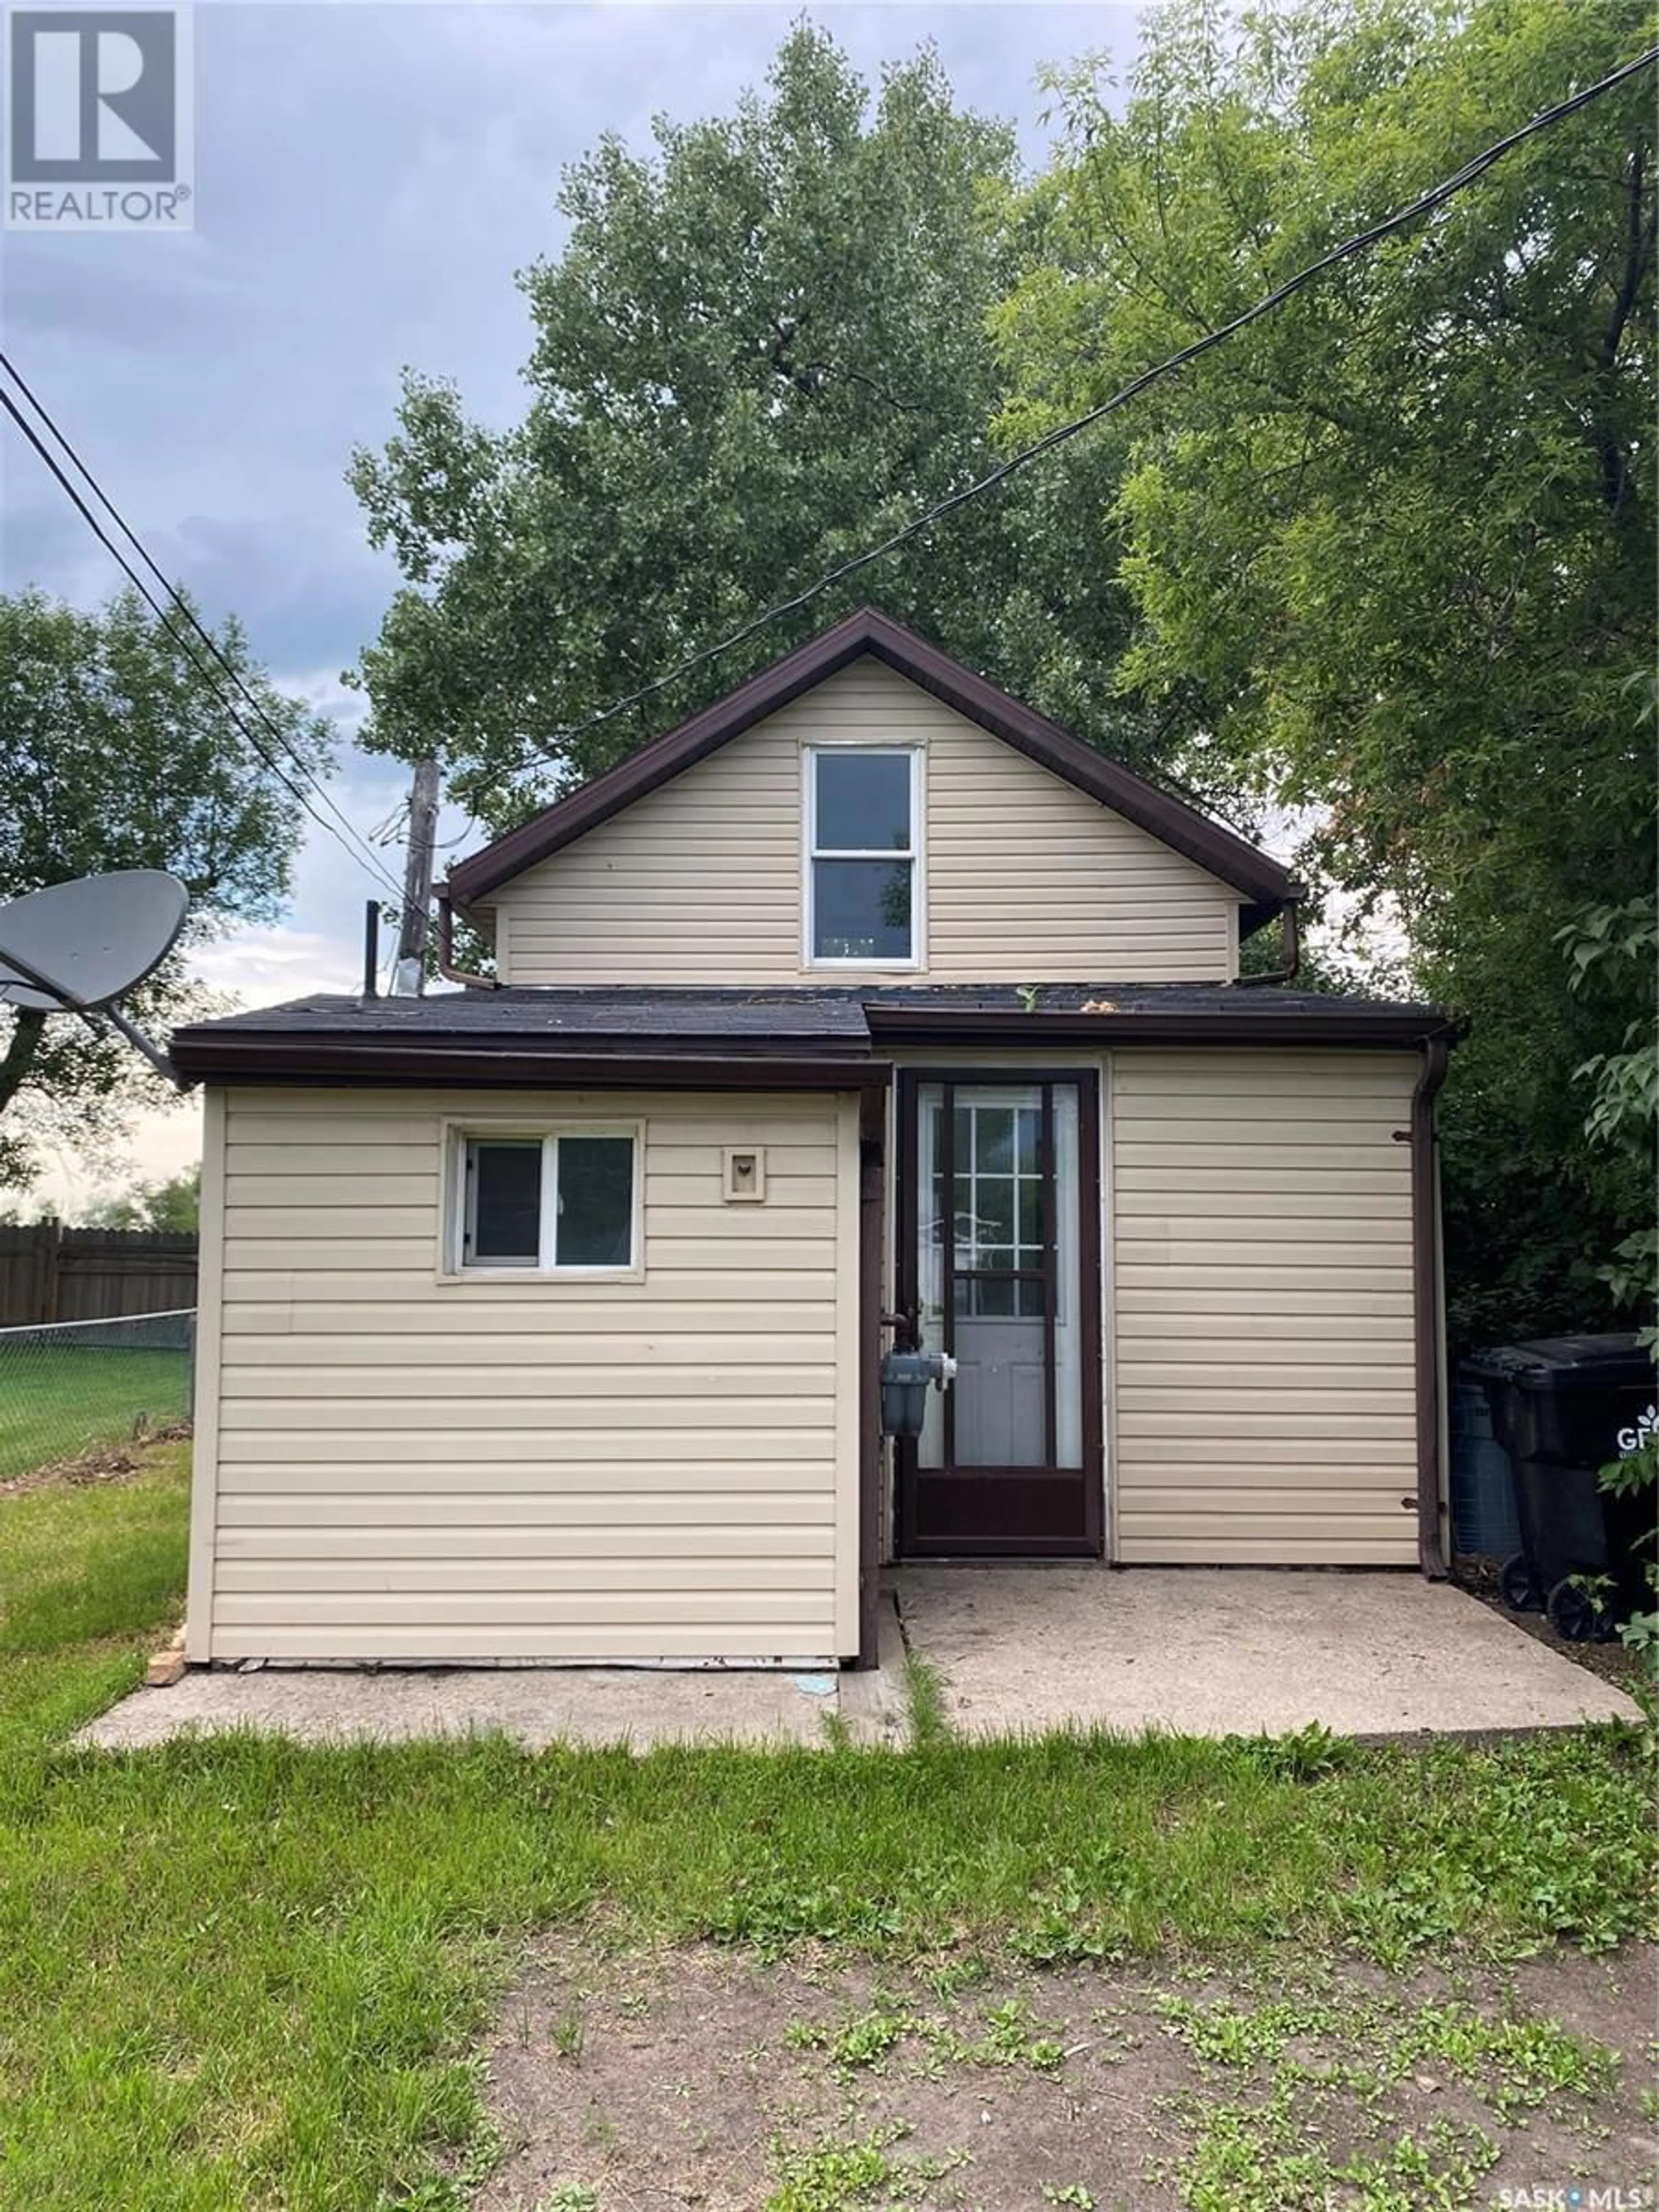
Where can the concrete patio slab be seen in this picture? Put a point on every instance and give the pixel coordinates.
(1194, 1650)
(537, 1705)
(1234, 1650)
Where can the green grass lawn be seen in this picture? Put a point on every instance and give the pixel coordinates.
(57, 1401)
(241, 1974)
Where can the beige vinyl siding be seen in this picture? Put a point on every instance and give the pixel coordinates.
(1261, 1296)
(1024, 878)
(411, 1468)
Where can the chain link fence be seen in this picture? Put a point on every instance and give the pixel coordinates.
(68, 1388)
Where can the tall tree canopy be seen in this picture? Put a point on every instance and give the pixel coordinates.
(1400, 533)
(114, 753)
(759, 350)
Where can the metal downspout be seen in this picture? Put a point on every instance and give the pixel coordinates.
(1289, 946)
(873, 1216)
(446, 969)
(1427, 1321)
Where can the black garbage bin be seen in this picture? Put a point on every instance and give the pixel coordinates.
(1562, 1407)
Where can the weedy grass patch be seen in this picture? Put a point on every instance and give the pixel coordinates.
(838, 2175)
(239, 1971)
(58, 1400)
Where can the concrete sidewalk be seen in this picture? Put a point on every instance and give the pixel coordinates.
(1235, 1651)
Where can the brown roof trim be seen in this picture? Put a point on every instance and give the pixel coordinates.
(1394, 1026)
(256, 1058)
(1264, 883)
(226, 1052)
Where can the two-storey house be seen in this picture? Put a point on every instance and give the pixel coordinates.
(542, 1320)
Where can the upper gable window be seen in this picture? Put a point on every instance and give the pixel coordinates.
(863, 853)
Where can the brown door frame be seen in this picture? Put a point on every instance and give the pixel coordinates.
(1089, 1541)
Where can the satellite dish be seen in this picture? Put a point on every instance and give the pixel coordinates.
(74, 948)
(79, 945)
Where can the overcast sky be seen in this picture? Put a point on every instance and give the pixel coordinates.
(368, 181)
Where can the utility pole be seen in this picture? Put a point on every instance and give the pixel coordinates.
(410, 973)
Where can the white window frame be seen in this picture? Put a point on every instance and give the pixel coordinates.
(454, 1267)
(915, 854)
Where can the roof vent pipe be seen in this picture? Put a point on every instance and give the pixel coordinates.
(372, 948)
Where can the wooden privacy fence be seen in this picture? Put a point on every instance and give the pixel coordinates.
(48, 1272)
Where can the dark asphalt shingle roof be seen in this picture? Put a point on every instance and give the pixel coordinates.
(530, 1015)
(1126, 998)
(826, 1018)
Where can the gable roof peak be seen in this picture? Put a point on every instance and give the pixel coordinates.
(1265, 886)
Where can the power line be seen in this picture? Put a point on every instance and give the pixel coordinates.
(448, 844)
(1358, 243)
(177, 597)
(340, 828)
(389, 829)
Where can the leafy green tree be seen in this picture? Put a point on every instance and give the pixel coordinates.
(1623, 1120)
(115, 753)
(762, 349)
(173, 1205)
(1397, 535)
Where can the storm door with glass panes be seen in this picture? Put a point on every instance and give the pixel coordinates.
(999, 1260)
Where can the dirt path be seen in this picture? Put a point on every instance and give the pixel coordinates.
(699, 2078)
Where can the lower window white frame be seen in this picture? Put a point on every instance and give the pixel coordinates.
(452, 1265)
